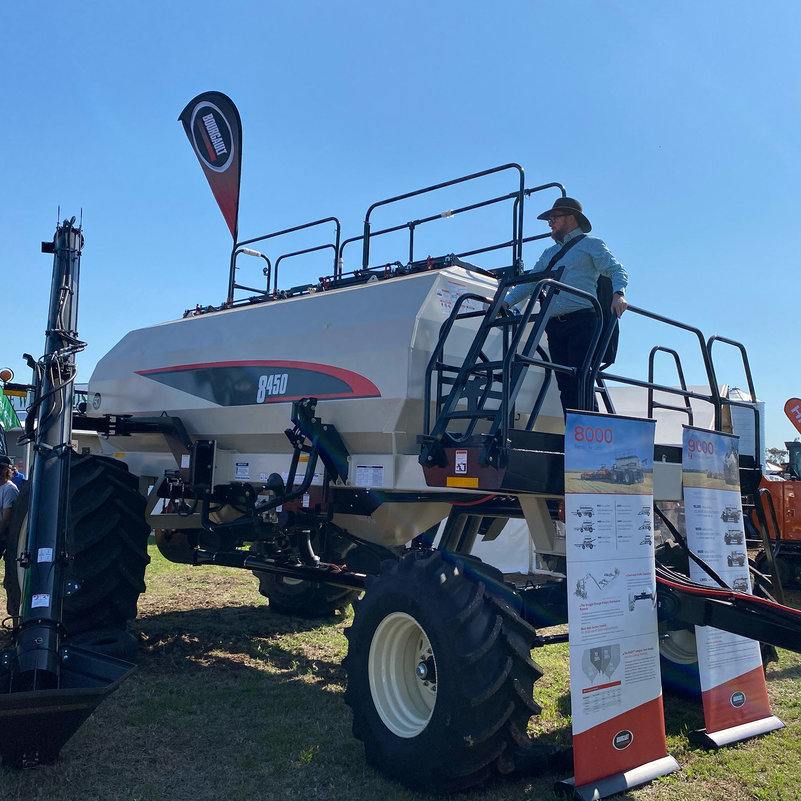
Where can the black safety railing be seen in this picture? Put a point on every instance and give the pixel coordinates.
(243, 247)
(338, 278)
(515, 242)
(459, 396)
(713, 397)
(653, 403)
(749, 405)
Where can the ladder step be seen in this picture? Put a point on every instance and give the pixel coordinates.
(476, 415)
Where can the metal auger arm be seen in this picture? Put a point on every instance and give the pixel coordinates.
(48, 686)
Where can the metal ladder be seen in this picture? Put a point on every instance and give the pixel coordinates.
(489, 388)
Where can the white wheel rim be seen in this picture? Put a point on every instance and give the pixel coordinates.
(402, 673)
(679, 647)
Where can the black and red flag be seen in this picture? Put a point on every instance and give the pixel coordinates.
(214, 128)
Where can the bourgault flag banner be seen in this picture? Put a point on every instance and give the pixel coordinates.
(793, 411)
(214, 128)
(615, 683)
(733, 690)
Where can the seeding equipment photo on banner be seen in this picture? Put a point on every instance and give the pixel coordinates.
(733, 690)
(616, 691)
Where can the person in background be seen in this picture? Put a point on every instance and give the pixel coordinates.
(8, 494)
(18, 477)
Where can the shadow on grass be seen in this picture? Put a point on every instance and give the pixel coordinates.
(779, 673)
(237, 637)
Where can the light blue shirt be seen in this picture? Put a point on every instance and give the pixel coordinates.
(8, 494)
(583, 264)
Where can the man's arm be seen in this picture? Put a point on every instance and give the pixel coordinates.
(619, 304)
(609, 266)
(4, 521)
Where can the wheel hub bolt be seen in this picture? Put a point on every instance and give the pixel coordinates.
(426, 670)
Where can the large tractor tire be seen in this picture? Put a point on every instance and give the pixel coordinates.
(106, 542)
(289, 596)
(440, 675)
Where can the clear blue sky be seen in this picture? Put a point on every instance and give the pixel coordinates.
(676, 124)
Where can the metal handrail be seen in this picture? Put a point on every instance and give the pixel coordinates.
(239, 245)
(751, 391)
(517, 225)
(713, 398)
(653, 404)
(300, 253)
(516, 361)
(266, 272)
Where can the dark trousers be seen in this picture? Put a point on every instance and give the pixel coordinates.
(569, 340)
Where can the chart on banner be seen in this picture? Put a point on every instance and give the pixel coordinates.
(614, 648)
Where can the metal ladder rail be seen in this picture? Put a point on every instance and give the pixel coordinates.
(713, 398)
(435, 363)
(496, 316)
(655, 404)
(515, 364)
(241, 247)
(751, 406)
(517, 222)
(517, 361)
(541, 395)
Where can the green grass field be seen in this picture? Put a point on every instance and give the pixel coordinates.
(231, 702)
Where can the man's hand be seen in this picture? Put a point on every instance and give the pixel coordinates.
(619, 305)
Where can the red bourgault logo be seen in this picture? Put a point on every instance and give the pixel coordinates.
(737, 699)
(212, 137)
(623, 739)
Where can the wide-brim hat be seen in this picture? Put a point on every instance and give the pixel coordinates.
(568, 205)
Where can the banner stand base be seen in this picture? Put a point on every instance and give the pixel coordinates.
(617, 782)
(744, 731)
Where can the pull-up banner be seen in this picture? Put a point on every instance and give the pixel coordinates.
(615, 683)
(733, 689)
(212, 123)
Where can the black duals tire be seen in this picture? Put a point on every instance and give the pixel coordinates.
(107, 543)
(289, 596)
(308, 599)
(440, 675)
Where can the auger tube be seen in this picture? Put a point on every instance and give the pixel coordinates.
(47, 688)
